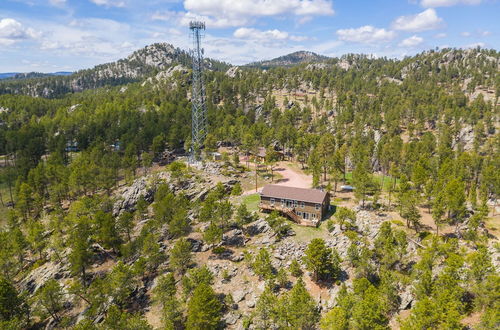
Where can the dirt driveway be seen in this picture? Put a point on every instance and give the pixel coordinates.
(292, 177)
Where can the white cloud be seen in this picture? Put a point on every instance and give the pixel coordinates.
(109, 3)
(484, 33)
(327, 47)
(249, 33)
(366, 34)
(448, 3)
(57, 3)
(231, 8)
(298, 38)
(440, 35)
(411, 41)
(213, 22)
(87, 37)
(465, 34)
(426, 20)
(255, 34)
(475, 45)
(230, 13)
(183, 19)
(12, 31)
(304, 20)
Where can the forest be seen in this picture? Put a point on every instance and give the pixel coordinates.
(415, 137)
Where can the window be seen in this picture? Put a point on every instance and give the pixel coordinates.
(272, 201)
(303, 205)
(283, 202)
(318, 206)
(299, 214)
(313, 215)
(295, 204)
(306, 215)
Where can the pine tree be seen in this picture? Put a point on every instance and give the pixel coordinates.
(204, 309)
(321, 260)
(180, 256)
(300, 308)
(165, 295)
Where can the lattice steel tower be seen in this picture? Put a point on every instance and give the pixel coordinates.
(199, 110)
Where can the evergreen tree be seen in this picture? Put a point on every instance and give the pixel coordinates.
(322, 261)
(180, 256)
(204, 309)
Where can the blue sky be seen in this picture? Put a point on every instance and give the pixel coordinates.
(67, 35)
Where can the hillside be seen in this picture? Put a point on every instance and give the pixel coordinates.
(290, 59)
(139, 65)
(105, 225)
(27, 75)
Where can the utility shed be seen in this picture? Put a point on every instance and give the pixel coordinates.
(304, 206)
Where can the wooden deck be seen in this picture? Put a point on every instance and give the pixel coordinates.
(290, 213)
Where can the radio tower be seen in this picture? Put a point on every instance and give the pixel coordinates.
(199, 110)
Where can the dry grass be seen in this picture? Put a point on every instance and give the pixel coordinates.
(306, 234)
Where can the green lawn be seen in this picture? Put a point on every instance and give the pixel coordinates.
(306, 234)
(251, 201)
(377, 177)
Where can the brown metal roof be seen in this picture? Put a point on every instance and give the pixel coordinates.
(300, 194)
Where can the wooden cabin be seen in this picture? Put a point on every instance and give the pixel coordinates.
(261, 153)
(304, 206)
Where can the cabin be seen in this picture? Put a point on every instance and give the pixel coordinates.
(304, 206)
(261, 153)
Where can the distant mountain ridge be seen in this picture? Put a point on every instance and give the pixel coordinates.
(295, 58)
(470, 68)
(26, 75)
(140, 64)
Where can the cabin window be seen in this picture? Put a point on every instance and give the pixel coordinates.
(318, 206)
(295, 204)
(303, 205)
(283, 202)
(306, 215)
(272, 201)
(299, 214)
(313, 215)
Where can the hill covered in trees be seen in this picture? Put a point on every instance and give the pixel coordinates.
(139, 65)
(295, 58)
(96, 233)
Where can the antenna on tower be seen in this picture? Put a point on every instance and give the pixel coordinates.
(199, 110)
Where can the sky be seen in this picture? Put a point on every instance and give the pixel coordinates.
(68, 35)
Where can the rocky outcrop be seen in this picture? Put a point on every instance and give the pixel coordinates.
(130, 195)
(289, 250)
(49, 270)
(232, 71)
(233, 238)
(258, 227)
(406, 298)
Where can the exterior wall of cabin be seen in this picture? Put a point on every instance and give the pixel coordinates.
(313, 211)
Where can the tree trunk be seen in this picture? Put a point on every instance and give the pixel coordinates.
(256, 177)
(84, 277)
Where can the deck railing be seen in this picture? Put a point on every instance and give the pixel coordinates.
(290, 212)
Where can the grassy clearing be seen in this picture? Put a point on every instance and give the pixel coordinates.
(252, 202)
(492, 223)
(306, 234)
(4, 190)
(378, 178)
